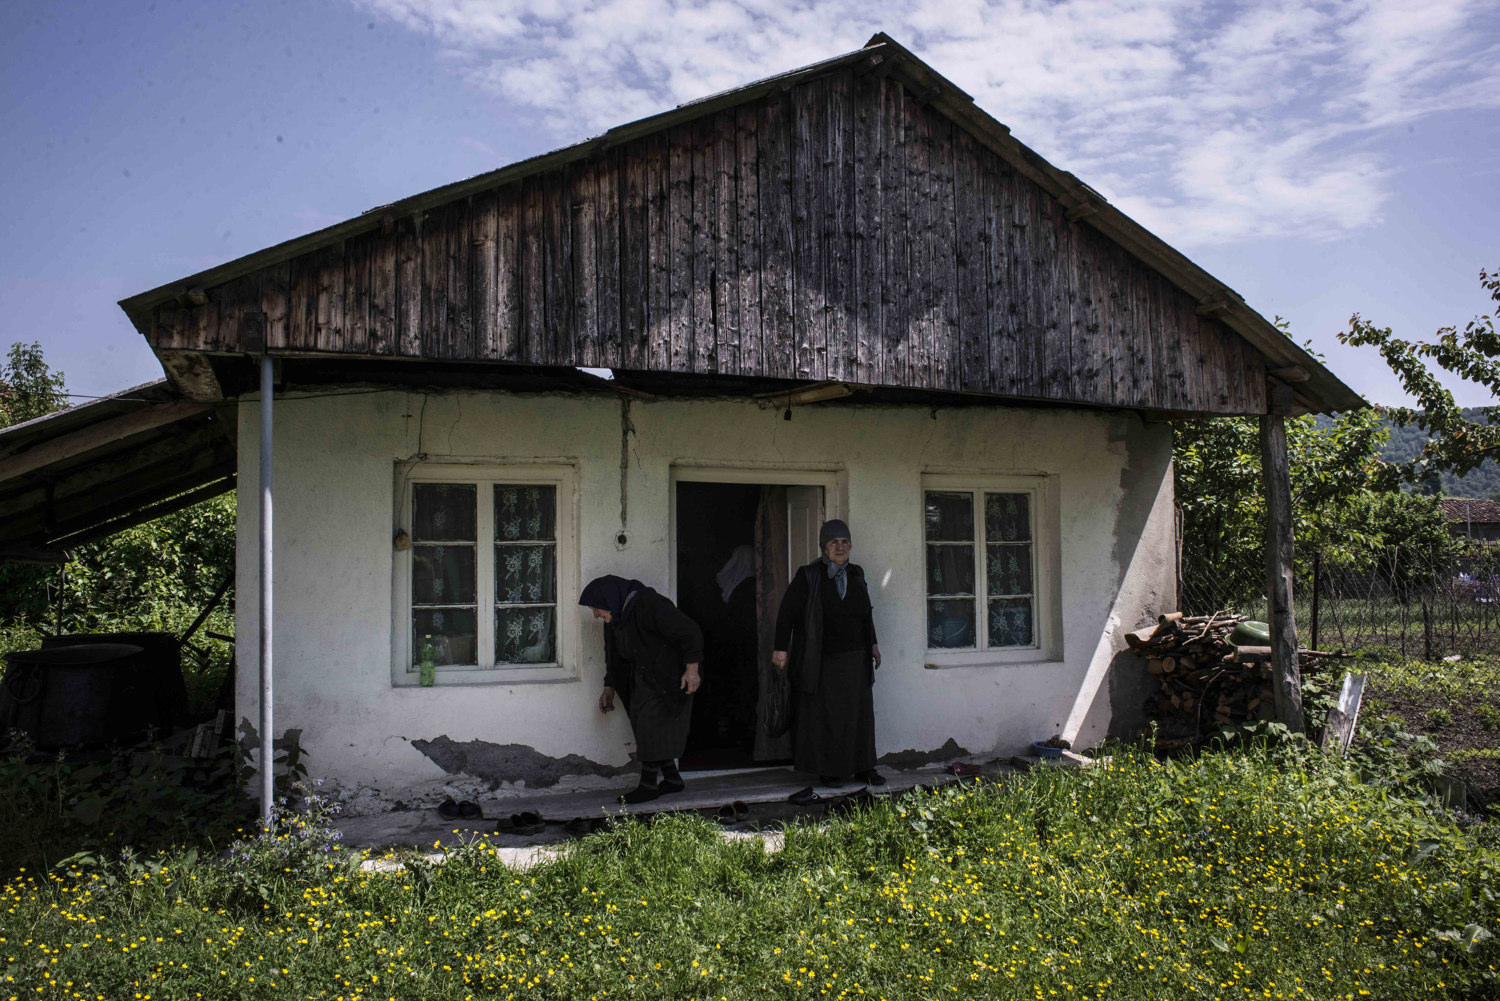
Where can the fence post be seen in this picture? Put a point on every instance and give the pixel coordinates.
(1426, 630)
(1317, 587)
(1276, 472)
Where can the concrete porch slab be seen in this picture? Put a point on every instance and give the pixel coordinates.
(765, 788)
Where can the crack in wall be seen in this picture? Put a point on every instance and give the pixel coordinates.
(497, 763)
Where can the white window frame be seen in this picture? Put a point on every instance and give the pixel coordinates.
(1046, 630)
(485, 477)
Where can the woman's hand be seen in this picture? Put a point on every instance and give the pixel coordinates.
(778, 659)
(690, 679)
(875, 653)
(607, 700)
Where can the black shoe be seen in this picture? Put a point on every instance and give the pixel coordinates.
(872, 777)
(804, 796)
(666, 787)
(640, 794)
(448, 810)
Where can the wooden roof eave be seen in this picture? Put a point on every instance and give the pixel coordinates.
(1323, 391)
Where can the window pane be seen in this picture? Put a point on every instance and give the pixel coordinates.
(525, 513)
(525, 574)
(949, 516)
(1007, 517)
(1008, 569)
(950, 569)
(1010, 622)
(452, 631)
(443, 512)
(950, 622)
(523, 635)
(442, 575)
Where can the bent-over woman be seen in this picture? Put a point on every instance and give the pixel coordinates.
(825, 633)
(652, 652)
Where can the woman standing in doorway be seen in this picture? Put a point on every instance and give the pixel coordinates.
(825, 632)
(651, 652)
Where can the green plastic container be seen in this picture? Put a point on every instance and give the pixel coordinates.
(1250, 633)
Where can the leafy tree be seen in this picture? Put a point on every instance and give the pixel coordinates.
(28, 387)
(1411, 547)
(1221, 494)
(1456, 443)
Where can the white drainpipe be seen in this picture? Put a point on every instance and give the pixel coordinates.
(267, 755)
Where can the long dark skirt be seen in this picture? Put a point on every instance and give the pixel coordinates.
(834, 730)
(659, 720)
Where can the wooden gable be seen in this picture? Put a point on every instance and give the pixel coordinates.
(839, 226)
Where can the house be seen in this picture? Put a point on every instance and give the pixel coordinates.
(844, 291)
(1469, 518)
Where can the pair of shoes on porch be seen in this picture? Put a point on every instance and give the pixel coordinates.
(527, 822)
(466, 810)
(732, 813)
(581, 826)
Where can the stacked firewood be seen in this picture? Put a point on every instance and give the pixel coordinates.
(1205, 681)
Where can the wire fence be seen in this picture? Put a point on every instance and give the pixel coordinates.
(1404, 603)
(1425, 628)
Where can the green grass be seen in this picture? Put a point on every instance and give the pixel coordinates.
(1256, 874)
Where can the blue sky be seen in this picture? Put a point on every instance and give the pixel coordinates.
(1321, 159)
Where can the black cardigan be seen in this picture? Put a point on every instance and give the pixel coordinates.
(657, 638)
(799, 622)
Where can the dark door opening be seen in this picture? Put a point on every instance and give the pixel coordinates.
(716, 589)
(734, 547)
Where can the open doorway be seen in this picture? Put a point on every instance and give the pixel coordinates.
(736, 546)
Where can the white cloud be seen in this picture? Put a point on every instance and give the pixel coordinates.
(1209, 121)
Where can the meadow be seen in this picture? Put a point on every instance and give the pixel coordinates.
(1267, 872)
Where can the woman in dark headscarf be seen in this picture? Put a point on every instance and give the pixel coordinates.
(652, 652)
(827, 623)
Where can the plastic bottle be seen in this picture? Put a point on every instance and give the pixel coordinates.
(426, 673)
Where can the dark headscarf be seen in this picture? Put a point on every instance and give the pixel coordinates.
(613, 594)
(833, 529)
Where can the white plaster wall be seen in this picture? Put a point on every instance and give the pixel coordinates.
(334, 519)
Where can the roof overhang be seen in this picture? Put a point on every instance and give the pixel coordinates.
(80, 474)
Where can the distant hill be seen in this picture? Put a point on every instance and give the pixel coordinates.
(1406, 442)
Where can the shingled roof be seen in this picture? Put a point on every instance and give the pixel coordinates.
(1464, 509)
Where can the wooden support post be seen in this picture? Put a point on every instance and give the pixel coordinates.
(1287, 675)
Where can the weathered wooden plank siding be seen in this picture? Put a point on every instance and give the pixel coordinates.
(838, 229)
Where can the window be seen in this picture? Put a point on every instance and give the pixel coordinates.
(984, 570)
(483, 572)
